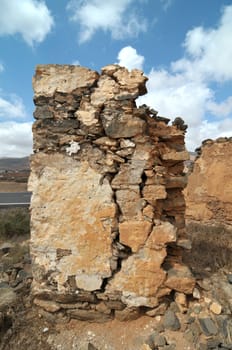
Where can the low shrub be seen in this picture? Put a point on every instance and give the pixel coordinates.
(14, 222)
(211, 246)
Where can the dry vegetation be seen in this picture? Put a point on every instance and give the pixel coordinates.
(211, 247)
(14, 222)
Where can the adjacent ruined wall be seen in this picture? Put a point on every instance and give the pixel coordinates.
(209, 191)
(107, 209)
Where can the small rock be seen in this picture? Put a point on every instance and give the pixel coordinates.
(213, 343)
(7, 297)
(171, 321)
(45, 330)
(190, 319)
(208, 269)
(6, 247)
(160, 310)
(207, 300)
(208, 326)
(156, 339)
(48, 305)
(180, 299)
(174, 307)
(196, 332)
(4, 277)
(229, 278)
(188, 335)
(216, 308)
(129, 313)
(196, 293)
(101, 307)
(197, 308)
(91, 347)
(4, 285)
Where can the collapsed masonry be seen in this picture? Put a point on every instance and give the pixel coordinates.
(107, 211)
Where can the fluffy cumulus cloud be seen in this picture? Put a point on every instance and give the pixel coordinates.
(128, 57)
(30, 18)
(15, 131)
(16, 139)
(12, 108)
(209, 51)
(185, 88)
(116, 17)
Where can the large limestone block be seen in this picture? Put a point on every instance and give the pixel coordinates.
(162, 234)
(132, 82)
(51, 78)
(130, 202)
(73, 213)
(140, 277)
(134, 233)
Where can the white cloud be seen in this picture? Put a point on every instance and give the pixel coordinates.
(116, 17)
(1, 67)
(30, 18)
(174, 95)
(208, 130)
(185, 88)
(222, 109)
(12, 109)
(129, 58)
(166, 4)
(209, 51)
(16, 139)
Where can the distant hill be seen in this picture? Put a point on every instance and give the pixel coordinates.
(14, 163)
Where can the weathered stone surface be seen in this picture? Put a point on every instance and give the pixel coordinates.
(180, 279)
(141, 276)
(134, 233)
(130, 202)
(216, 308)
(209, 191)
(128, 314)
(60, 187)
(153, 192)
(48, 305)
(171, 321)
(208, 326)
(64, 78)
(89, 315)
(161, 235)
(177, 156)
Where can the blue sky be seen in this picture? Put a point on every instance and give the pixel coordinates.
(183, 46)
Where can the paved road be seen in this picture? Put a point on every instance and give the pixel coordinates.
(8, 199)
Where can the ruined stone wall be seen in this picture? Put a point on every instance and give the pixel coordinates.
(209, 191)
(107, 210)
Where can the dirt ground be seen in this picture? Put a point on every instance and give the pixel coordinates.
(37, 333)
(8, 186)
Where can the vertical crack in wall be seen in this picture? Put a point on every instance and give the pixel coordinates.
(107, 180)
